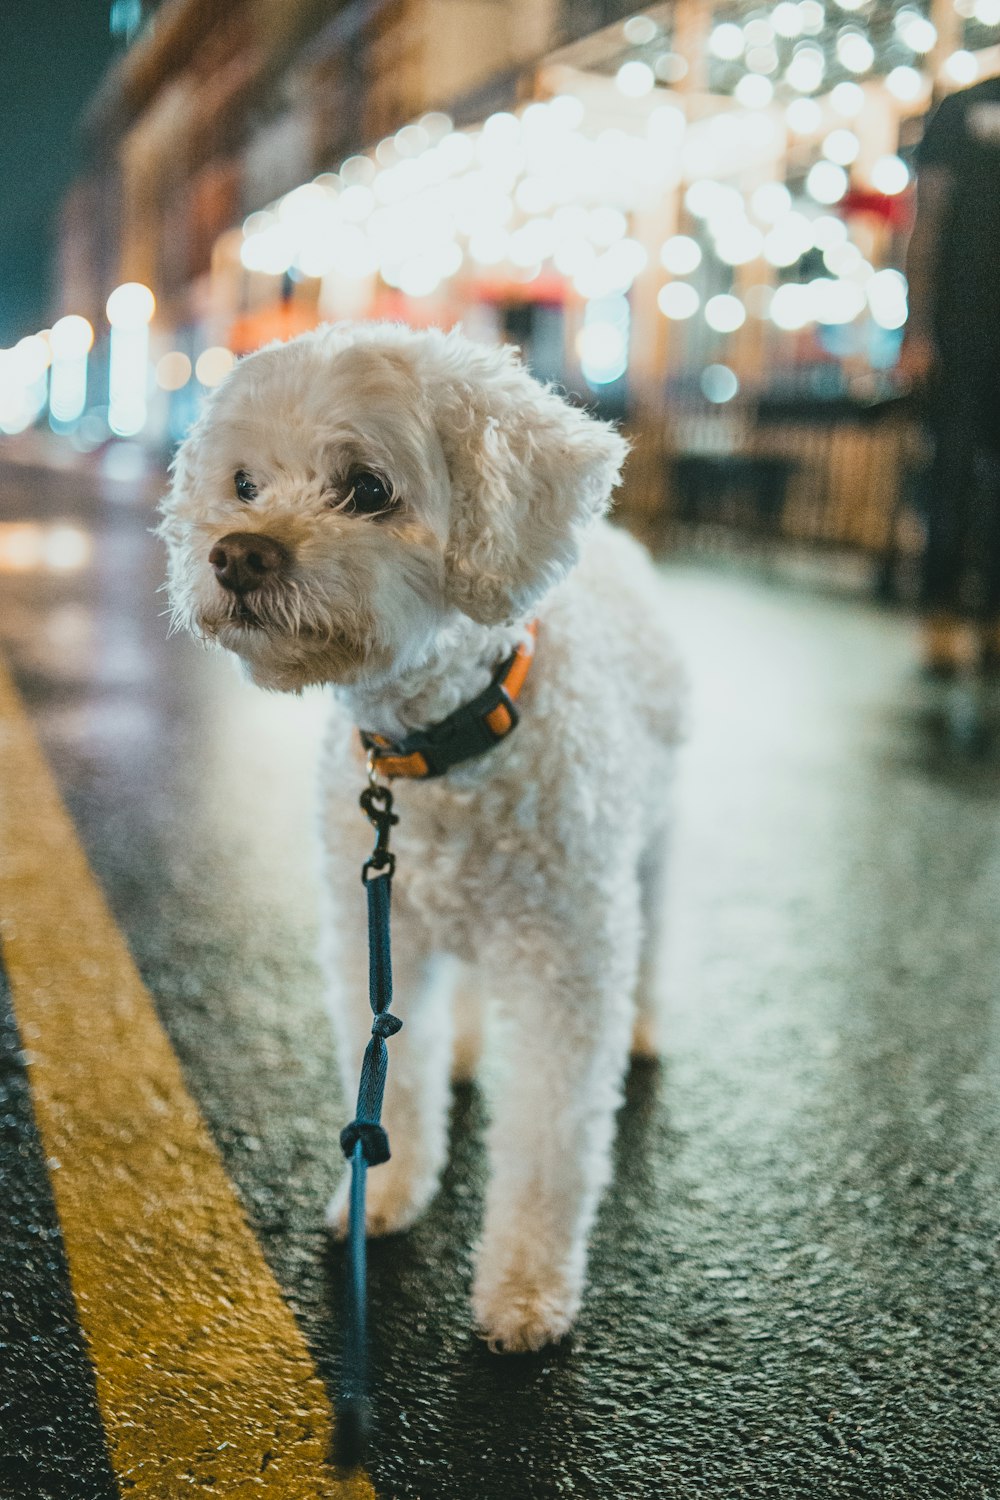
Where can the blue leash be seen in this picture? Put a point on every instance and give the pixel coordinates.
(364, 1141)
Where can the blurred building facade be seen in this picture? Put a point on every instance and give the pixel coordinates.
(692, 215)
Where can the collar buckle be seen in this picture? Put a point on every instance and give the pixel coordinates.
(468, 732)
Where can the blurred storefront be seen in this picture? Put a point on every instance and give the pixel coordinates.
(692, 217)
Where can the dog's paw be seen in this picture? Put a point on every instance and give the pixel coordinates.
(517, 1315)
(392, 1203)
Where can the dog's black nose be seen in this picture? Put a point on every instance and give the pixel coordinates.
(243, 560)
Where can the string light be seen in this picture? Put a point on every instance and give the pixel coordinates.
(804, 116)
(789, 240)
(534, 187)
(905, 84)
(213, 365)
(841, 146)
(848, 100)
(634, 79)
(639, 30)
(670, 67)
(827, 232)
(173, 371)
(770, 201)
(786, 20)
(806, 69)
(855, 51)
(130, 310)
(915, 31)
(813, 17)
(790, 309)
(719, 384)
(726, 41)
(739, 243)
(680, 255)
(753, 91)
(962, 68)
(678, 300)
(826, 182)
(890, 175)
(886, 294)
(725, 313)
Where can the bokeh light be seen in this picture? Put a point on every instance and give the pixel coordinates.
(725, 313)
(678, 300)
(680, 255)
(213, 365)
(173, 371)
(890, 175)
(719, 384)
(130, 306)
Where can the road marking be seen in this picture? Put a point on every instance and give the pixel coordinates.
(203, 1377)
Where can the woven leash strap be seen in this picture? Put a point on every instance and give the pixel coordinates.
(364, 1141)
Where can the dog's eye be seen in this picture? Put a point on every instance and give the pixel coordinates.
(244, 485)
(368, 494)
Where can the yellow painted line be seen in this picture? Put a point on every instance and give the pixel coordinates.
(204, 1380)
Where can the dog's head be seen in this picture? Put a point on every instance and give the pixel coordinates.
(343, 495)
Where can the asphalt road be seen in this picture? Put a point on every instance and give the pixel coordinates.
(794, 1286)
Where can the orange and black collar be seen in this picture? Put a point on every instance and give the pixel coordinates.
(469, 731)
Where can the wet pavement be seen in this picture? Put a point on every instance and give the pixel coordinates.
(794, 1285)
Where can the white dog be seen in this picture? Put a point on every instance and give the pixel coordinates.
(389, 512)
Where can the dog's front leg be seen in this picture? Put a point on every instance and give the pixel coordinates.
(567, 1006)
(417, 1090)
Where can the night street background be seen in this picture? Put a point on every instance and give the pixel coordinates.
(700, 221)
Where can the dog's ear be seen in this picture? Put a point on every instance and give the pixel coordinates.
(528, 474)
(177, 508)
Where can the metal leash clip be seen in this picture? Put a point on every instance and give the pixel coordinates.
(376, 804)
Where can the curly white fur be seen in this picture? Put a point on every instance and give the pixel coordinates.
(537, 865)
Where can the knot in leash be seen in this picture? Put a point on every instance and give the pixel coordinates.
(373, 1139)
(386, 1024)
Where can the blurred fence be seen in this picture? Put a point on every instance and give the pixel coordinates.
(825, 471)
